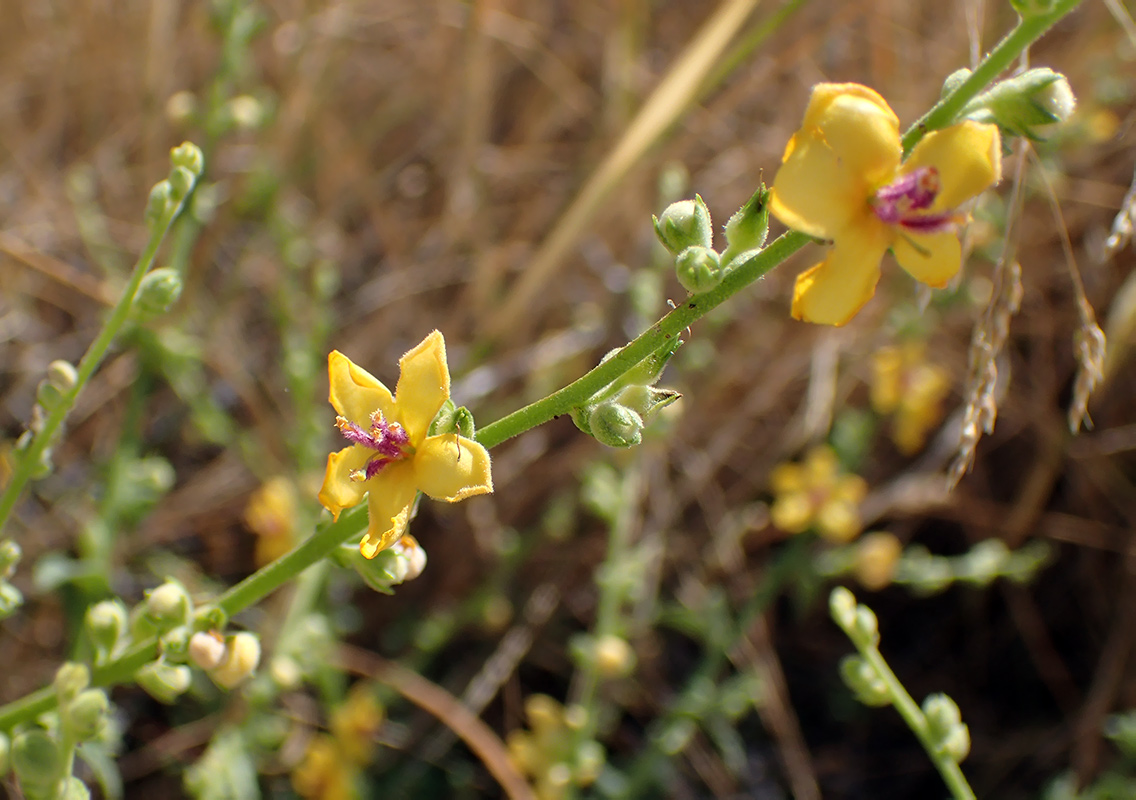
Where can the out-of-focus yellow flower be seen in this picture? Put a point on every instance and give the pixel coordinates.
(910, 389)
(842, 178)
(271, 515)
(355, 723)
(325, 773)
(877, 555)
(391, 457)
(550, 751)
(816, 494)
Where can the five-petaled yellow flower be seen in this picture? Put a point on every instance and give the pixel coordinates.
(391, 457)
(842, 178)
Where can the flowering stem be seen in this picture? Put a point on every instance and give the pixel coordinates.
(650, 341)
(45, 436)
(1028, 30)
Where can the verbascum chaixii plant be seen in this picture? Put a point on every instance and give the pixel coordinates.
(843, 178)
(910, 389)
(817, 494)
(392, 456)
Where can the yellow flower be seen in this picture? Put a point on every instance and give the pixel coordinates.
(271, 514)
(877, 555)
(842, 178)
(815, 494)
(391, 457)
(355, 723)
(325, 773)
(550, 753)
(911, 389)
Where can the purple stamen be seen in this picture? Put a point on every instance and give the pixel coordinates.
(896, 202)
(387, 439)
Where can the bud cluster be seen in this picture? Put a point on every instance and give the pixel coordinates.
(186, 165)
(403, 561)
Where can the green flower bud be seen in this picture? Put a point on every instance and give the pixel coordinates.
(5, 754)
(158, 204)
(1026, 105)
(164, 682)
(74, 789)
(10, 554)
(646, 401)
(37, 762)
(842, 607)
(86, 714)
(954, 80)
(48, 396)
(956, 745)
(747, 229)
(181, 182)
(685, 224)
(699, 269)
(62, 375)
(10, 599)
(615, 425)
(859, 676)
(175, 644)
(159, 290)
(105, 624)
(188, 156)
(867, 626)
(242, 655)
(169, 605)
(942, 714)
(70, 679)
(403, 561)
(452, 419)
(211, 619)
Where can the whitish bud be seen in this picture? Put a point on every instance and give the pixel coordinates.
(242, 655)
(615, 425)
(70, 679)
(685, 224)
(37, 761)
(106, 622)
(866, 626)
(169, 605)
(181, 107)
(10, 554)
(955, 80)
(86, 714)
(859, 676)
(164, 682)
(246, 111)
(10, 599)
(747, 229)
(62, 375)
(699, 269)
(613, 656)
(159, 290)
(942, 714)
(956, 745)
(207, 649)
(842, 607)
(188, 156)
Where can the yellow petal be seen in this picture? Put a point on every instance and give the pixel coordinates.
(339, 491)
(831, 292)
(792, 512)
(931, 258)
(392, 494)
(813, 192)
(423, 385)
(968, 157)
(787, 478)
(451, 468)
(356, 393)
(861, 129)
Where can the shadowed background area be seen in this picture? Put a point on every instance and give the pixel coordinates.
(379, 169)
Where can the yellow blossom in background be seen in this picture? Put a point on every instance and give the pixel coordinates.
(271, 515)
(816, 494)
(877, 555)
(391, 457)
(325, 773)
(356, 723)
(906, 386)
(842, 178)
(549, 752)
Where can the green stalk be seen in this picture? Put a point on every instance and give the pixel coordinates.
(1028, 30)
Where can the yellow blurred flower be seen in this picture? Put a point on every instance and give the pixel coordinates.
(842, 178)
(877, 555)
(355, 723)
(815, 494)
(325, 773)
(910, 389)
(550, 753)
(391, 457)
(271, 515)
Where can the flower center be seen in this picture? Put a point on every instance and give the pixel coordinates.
(389, 440)
(904, 202)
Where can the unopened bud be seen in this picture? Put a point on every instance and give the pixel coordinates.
(867, 627)
(158, 204)
(62, 375)
(207, 649)
(11, 599)
(106, 622)
(163, 681)
(10, 554)
(859, 676)
(159, 290)
(37, 761)
(242, 655)
(614, 657)
(842, 607)
(86, 714)
(73, 789)
(685, 224)
(615, 425)
(747, 229)
(5, 754)
(246, 111)
(181, 182)
(699, 269)
(188, 156)
(169, 605)
(955, 80)
(647, 400)
(1026, 105)
(70, 679)
(174, 644)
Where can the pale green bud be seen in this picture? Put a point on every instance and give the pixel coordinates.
(159, 290)
(48, 396)
(955, 80)
(956, 745)
(62, 375)
(646, 401)
(942, 714)
(106, 623)
(164, 682)
(453, 419)
(859, 676)
(37, 762)
(70, 679)
(175, 644)
(158, 204)
(10, 554)
(842, 607)
(699, 269)
(169, 605)
(74, 789)
(181, 182)
(188, 156)
(685, 224)
(615, 425)
(867, 626)
(1026, 105)
(11, 599)
(747, 229)
(86, 714)
(5, 754)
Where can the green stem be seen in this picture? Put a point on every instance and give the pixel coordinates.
(1028, 30)
(658, 335)
(30, 458)
(915, 719)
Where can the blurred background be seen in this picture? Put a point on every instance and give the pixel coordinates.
(376, 170)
